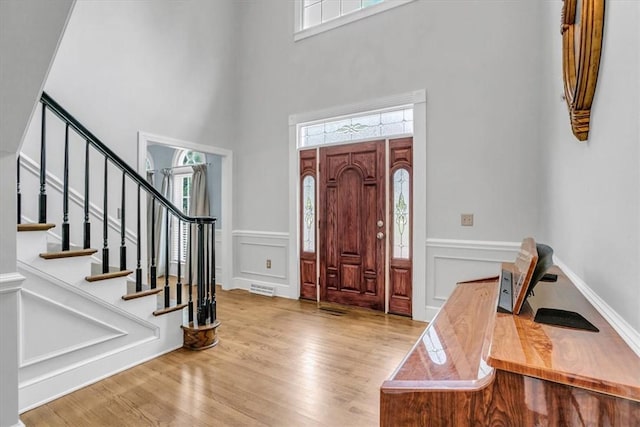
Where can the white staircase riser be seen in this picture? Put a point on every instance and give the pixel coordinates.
(30, 244)
(89, 331)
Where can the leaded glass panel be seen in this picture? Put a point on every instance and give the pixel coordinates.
(401, 214)
(308, 214)
(372, 125)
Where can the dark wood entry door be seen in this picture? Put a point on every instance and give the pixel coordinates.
(352, 224)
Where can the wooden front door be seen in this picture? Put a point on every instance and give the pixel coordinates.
(352, 214)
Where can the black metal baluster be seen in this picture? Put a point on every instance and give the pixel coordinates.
(87, 224)
(179, 283)
(190, 282)
(105, 223)
(18, 196)
(167, 239)
(202, 307)
(152, 268)
(213, 271)
(207, 276)
(42, 202)
(138, 250)
(65, 192)
(123, 248)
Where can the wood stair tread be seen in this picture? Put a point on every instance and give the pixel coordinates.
(141, 294)
(35, 227)
(110, 275)
(169, 309)
(68, 254)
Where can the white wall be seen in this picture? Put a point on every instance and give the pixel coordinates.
(592, 189)
(29, 34)
(162, 67)
(478, 62)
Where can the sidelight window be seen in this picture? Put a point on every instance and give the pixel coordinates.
(401, 212)
(309, 214)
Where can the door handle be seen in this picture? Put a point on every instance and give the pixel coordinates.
(380, 235)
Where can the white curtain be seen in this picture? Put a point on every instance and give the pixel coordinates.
(198, 206)
(159, 227)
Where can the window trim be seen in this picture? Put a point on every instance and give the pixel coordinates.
(299, 33)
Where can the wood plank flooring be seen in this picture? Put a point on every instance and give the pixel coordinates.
(279, 362)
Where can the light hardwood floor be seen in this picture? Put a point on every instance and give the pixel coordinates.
(279, 363)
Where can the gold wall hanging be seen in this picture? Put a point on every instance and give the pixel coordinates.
(582, 26)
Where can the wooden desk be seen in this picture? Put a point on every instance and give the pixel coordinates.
(473, 366)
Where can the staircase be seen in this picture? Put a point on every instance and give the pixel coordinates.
(81, 317)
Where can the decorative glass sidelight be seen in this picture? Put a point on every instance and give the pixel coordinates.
(309, 214)
(401, 209)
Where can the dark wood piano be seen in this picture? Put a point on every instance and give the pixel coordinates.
(473, 366)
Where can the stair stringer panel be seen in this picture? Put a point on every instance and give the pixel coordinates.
(83, 338)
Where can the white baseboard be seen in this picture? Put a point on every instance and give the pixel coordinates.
(627, 333)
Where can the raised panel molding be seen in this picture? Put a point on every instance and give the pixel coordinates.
(252, 250)
(47, 302)
(67, 328)
(450, 261)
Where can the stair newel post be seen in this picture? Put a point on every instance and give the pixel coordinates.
(18, 195)
(190, 266)
(123, 248)
(65, 192)
(213, 272)
(42, 201)
(167, 238)
(202, 282)
(138, 248)
(87, 224)
(179, 283)
(152, 268)
(105, 221)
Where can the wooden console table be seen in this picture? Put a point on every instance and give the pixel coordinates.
(473, 366)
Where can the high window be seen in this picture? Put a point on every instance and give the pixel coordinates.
(316, 16)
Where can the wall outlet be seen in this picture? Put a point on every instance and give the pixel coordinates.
(466, 220)
(268, 263)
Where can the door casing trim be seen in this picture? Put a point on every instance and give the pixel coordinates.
(418, 99)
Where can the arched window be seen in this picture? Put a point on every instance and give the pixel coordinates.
(182, 180)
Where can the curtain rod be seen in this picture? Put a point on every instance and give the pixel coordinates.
(176, 167)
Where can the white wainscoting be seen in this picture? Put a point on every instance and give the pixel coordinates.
(451, 261)
(252, 249)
